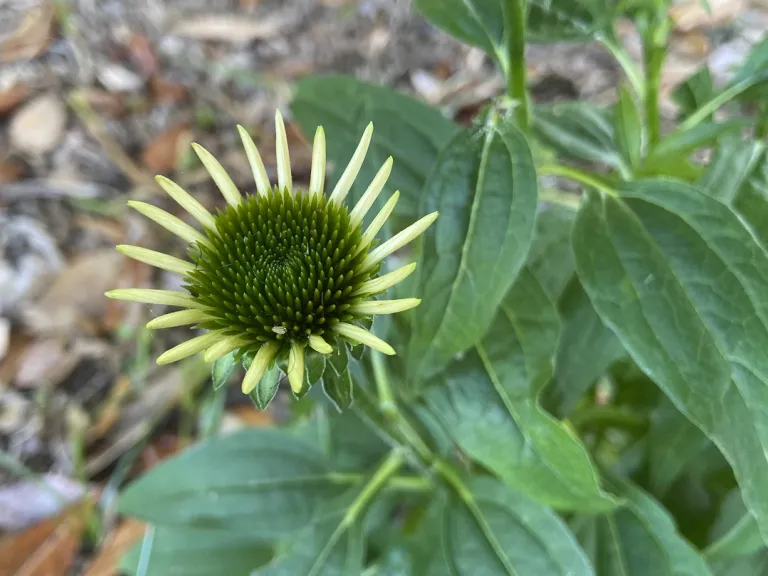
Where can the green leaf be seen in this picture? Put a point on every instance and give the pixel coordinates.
(406, 129)
(753, 565)
(486, 402)
(550, 258)
(754, 70)
(585, 351)
(673, 441)
(738, 534)
(694, 92)
(637, 539)
(628, 127)
(502, 532)
(682, 283)
(267, 387)
(751, 201)
(321, 550)
(733, 163)
(264, 483)
(337, 382)
(222, 369)
(198, 552)
(476, 22)
(578, 131)
(676, 148)
(314, 366)
(484, 186)
(566, 20)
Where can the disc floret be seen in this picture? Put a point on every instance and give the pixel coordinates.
(279, 271)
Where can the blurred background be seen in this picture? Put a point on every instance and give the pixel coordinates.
(98, 96)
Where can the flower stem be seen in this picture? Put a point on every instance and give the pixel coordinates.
(514, 69)
(397, 483)
(388, 468)
(576, 175)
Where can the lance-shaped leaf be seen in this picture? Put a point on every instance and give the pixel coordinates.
(487, 403)
(484, 186)
(682, 282)
(637, 539)
(236, 482)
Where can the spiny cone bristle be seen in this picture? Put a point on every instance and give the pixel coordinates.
(280, 267)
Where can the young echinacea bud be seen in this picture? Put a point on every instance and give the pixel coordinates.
(278, 271)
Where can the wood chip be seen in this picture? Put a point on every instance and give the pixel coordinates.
(230, 28)
(163, 90)
(76, 294)
(37, 127)
(31, 37)
(10, 171)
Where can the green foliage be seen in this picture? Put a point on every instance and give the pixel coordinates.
(484, 186)
(409, 131)
(584, 387)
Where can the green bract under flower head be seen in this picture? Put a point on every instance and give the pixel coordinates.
(278, 270)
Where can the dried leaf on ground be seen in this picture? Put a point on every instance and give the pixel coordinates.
(117, 543)
(142, 54)
(49, 548)
(77, 294)
(31, 37)
(11, 97)
(163, 90)
(162, 154)
(230, 28)
(37, 127)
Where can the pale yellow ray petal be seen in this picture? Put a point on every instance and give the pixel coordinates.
(382, 283)
(179, 318)
(185, 200)
(148, 296)
(284, 178)
(318, 344)
(220, 177)
(157, 259)
(384, 306)
(344, 184)
(370, 195)
(364, 337)
(398, 241)
(169, 222)
(192, 346)
(255, 161)
(317, 175)
(224, 347)
(296, 367)
(260, 363)
(378, 222)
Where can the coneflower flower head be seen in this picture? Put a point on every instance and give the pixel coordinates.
(280, 271)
